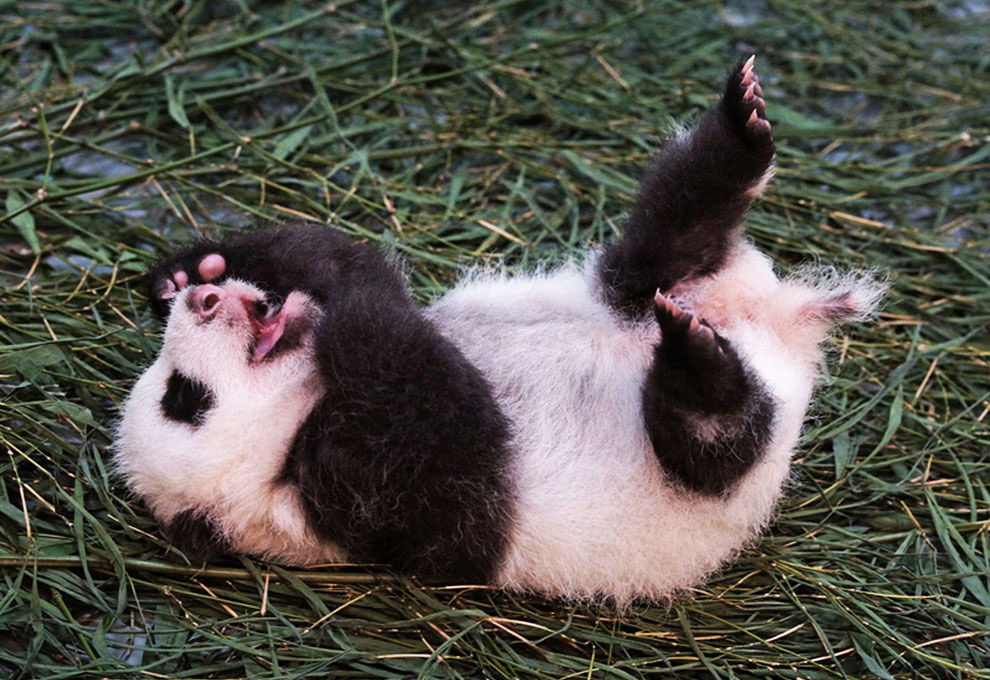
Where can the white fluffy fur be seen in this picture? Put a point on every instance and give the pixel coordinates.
(596, 515)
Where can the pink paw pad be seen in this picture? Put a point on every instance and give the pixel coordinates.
(212, 266)
(167, 289)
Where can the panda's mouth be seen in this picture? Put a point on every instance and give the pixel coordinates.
(273, 324)
(268, 324)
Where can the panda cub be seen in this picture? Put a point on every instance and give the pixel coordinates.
(615, 428)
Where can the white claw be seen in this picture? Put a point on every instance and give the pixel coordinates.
(753, 118)
(748, 78)
(694, 325)
(748, 66)
(748, 94)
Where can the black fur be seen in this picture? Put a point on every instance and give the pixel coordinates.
(404, 460)
(691, 202)
(708, 417)
(194, 534)
(186, 400)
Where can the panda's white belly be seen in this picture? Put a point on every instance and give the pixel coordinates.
(594, 513)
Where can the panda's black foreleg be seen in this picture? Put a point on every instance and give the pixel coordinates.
(692, 199)
(708, 416)
(405, 460)
(315, 260)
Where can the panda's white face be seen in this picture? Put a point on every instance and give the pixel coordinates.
(208, 425)
(231, 337)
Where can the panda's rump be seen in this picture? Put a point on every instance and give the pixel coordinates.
(595, 511)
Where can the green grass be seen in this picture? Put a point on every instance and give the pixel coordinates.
(509, 131)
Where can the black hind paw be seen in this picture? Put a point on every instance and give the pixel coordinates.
(685, 333)
(744, 104)
(697, 364)
(708, 417)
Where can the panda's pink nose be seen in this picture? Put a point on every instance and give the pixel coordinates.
(205, 300)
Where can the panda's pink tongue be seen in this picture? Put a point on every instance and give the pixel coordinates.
(269, 331)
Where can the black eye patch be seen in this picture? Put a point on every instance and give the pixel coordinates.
(186, 400)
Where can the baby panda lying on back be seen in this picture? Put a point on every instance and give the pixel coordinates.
(617, 428)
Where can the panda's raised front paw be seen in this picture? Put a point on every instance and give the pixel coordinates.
(195, 266)
(745, 105)
(176, 277)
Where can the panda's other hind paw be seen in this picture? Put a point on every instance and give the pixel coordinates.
(708, 416)
(685, 332)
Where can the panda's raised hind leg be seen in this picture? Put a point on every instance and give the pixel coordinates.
(693, 198)
(708, 416)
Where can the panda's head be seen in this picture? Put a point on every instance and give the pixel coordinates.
(235, 378)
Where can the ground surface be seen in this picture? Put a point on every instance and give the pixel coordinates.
(506, 131)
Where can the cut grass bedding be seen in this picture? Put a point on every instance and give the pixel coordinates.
(494, 132)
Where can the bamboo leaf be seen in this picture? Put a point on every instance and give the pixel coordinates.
(24, 220)
(175, 108)
(289, 142)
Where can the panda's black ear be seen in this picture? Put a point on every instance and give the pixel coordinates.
(195, 534)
